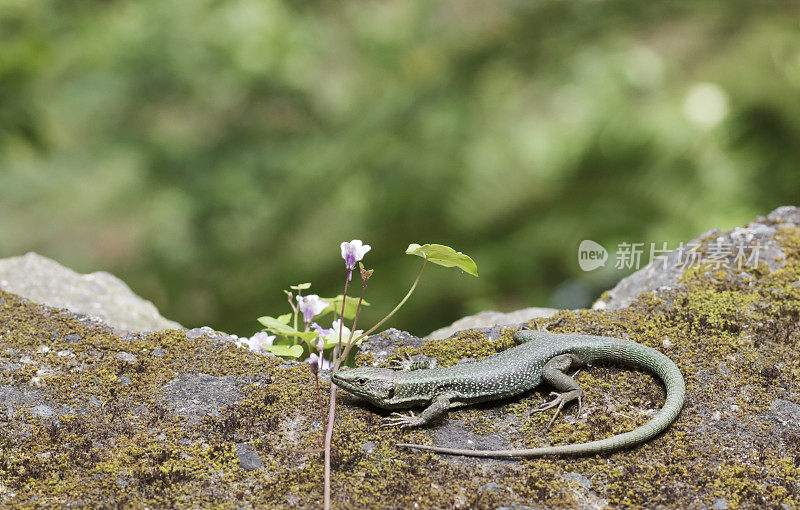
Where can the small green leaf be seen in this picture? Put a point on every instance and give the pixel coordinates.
(279, 328)
(444, 256)
(333, 339)
(301, 286)
(335, 305)
(276, 325)
(292, 351)
(285, 318)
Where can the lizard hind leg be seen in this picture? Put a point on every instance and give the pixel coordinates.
(408, 364)
(568, 389)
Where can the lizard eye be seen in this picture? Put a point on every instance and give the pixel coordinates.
(362, 381)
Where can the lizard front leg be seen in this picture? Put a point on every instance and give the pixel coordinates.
(438, 408)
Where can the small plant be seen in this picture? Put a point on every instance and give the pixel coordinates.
(315, 343)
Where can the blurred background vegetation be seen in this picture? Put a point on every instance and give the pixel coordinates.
(213, 152)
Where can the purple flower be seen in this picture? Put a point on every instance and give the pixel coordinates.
(310, 306)
(353, 252)
(322, 333)
(319, 329)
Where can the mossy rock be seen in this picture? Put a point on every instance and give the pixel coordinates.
(187, 419)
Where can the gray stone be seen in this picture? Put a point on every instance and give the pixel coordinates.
(72, 338)
(98, 294)
(491, 486)
(249, 459)
(43, 411)
(666, 272)
(368, 447)
(195, 333)
(124, 380)
(785, 214)
(126, 357)
(13, 399)
(788, 413)
(10, 397)
(720, 504)
(158, 352)
(579, 478)
(384, 344)
(196, 396)
(489, 319)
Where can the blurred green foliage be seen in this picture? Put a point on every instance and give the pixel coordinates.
(211, 153)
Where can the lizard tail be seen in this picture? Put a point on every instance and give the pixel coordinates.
(614, 350)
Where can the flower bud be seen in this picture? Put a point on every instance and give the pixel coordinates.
(365, 273)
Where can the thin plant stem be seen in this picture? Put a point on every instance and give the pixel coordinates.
(294, 312)
(350, 344)
(321, 407)
(332, 406)
(341, 318)
(337, 349)
(337, 361)
(296, 309)
(400, 304)
(326, 502)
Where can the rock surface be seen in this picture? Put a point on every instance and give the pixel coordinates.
(97, 417)
(98, 294)
(490, 318)
(666, 272)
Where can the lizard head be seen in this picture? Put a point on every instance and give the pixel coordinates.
(374, 384)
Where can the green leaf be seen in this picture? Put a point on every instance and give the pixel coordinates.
(285, 318)
(301, 286)
(276, 326)
(335, 305)
(444, 256)
(292, 351)
(333, 339)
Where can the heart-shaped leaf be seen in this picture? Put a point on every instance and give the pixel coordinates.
(335, 305)
(332, 339)
(276, 326)
(292, 351)
(444, 256)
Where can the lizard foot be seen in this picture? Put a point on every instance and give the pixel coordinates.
(402, 364)
(403, 421)
(409, 363)
(559, 401)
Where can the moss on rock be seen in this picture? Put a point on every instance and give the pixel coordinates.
(115, 438)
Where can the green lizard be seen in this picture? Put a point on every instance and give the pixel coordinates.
(540, 356)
